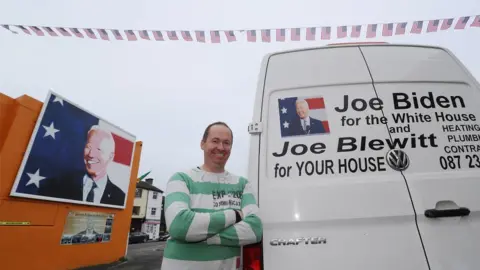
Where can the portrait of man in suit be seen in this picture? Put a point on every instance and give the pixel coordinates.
(92, 184)
(305, 124)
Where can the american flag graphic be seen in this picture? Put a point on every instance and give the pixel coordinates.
(103, 34)
(447, 23)
(117, 35)
(433, 26)
(157, 35)
(144, 34)
(341, 32)
(252, 35)
(230, 35)
(76, 32)
(311, 32)
(130, 35)
(89, 32)
(401, 28)
(37, 30)
(295, 34)
(371, 31)
(476, 22)
(326, 30)
(290, 121)
(200, 35)
(280, 35)
(417, 27)
(462, 22)
(50, 31)
(387, 30)
(172, 35)
(265, 35)
(59, 151)
(186, 36)
(25, 30)
(215, 36)
(356, 30)
(64, 32)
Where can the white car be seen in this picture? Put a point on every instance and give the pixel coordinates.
(366, 156)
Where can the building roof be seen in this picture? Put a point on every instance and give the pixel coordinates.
(145, 185)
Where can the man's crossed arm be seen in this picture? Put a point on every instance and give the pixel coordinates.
(218, 227)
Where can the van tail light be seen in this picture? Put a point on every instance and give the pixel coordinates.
(253, 257)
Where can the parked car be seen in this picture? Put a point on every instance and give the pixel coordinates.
(164, 237)
(138, 237)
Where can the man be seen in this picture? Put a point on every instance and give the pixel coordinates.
(210, 213)
(89, 235)
(307, 124)
(92, 184)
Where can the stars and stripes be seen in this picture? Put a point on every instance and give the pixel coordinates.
(311, 32)
(58, 145)
(387, 30)
(417, 27)
(290, 120)
(264, 35)
(341, 32)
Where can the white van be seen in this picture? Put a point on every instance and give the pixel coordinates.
(332, 193)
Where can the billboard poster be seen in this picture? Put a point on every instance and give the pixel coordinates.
(75, 157)
(83, 227)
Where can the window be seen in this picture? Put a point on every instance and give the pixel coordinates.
(138, 193)
(153, 211)
(136, 210)
(155, 195)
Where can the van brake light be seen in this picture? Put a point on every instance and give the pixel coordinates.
(252, 257)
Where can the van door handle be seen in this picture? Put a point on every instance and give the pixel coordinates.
(459, 212)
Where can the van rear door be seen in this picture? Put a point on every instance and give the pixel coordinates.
(432, 104)
(327, 198)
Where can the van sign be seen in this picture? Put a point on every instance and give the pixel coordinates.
(397, 159)
(296, 241)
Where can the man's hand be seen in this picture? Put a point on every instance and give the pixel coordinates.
(238, 215)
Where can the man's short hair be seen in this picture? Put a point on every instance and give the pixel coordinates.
(207, 130)
(110, 141)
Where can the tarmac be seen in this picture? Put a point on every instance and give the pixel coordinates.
(143, 256)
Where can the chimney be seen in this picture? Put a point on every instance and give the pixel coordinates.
(149, 180)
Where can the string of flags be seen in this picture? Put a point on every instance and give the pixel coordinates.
(313, 33)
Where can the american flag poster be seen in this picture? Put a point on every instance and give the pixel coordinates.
(76, 157)
(303, 116)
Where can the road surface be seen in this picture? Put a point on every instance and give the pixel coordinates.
(144, 256)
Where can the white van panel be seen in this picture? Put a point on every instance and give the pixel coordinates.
(366, 218)
(445, 173)
(390, 63)
(306, 68)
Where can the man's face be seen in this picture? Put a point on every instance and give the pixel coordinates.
(90, 224)
(97, 154)
(302, 109)
(218, 145)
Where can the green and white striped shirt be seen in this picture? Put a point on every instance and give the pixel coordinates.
(201, 222)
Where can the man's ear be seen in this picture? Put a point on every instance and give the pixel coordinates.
(112, 155)
(202, 145)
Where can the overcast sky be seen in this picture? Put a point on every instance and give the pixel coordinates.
(167, 92)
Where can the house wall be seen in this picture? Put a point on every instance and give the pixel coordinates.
(142, 203)
(36, 245)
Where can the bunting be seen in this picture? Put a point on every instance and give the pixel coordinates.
(312, 33)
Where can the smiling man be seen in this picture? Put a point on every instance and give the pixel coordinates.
(92, 184)
(210, 213)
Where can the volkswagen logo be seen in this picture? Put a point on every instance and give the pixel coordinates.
(397, 159)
